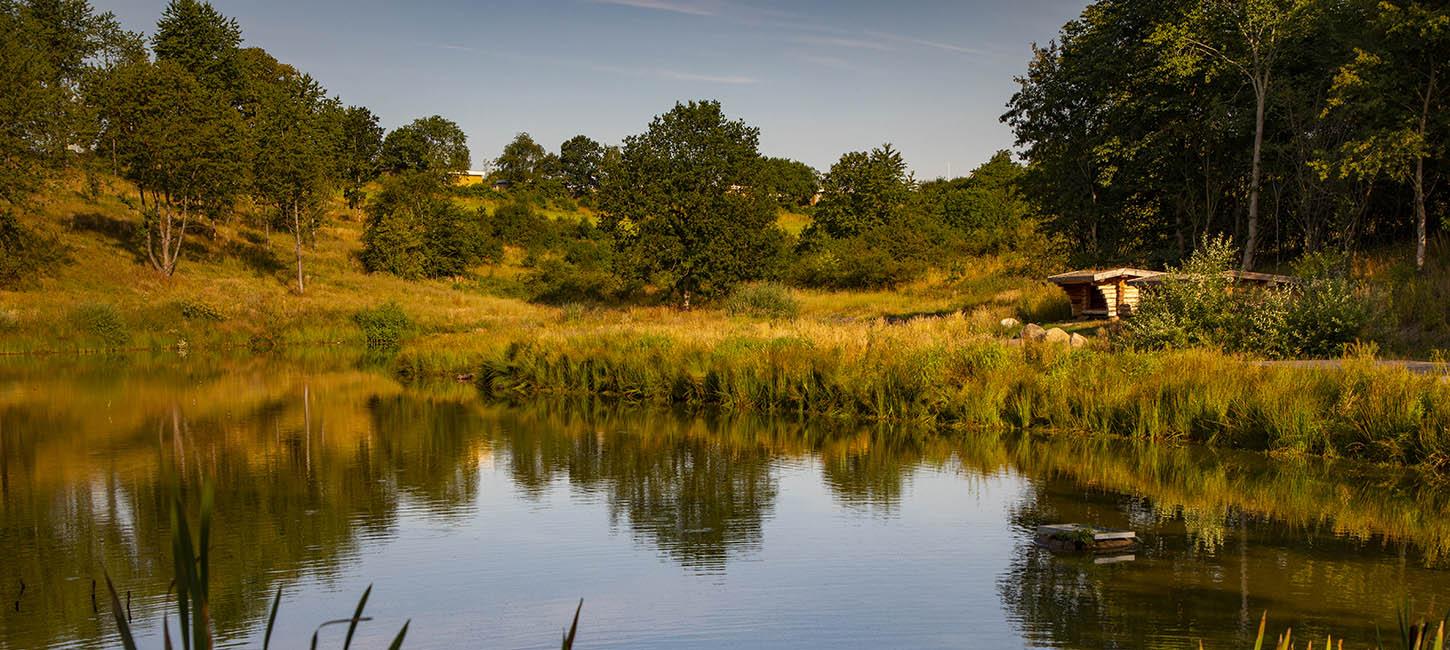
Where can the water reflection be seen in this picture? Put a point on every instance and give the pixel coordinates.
(315, 465)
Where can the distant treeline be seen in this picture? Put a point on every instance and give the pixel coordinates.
(1290, 125)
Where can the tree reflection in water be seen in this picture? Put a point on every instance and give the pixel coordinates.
(312, 463)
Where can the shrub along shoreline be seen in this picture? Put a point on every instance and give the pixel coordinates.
(941, 373)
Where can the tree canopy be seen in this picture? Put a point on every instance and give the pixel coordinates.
(1289, 126)
(200, 40)
(684, 203)
(862, 190)
(433, 145)
(580, 160)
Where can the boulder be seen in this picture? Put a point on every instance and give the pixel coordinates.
(1078, 340)
(1009, 323)
(1032, 332)
(1056, 335)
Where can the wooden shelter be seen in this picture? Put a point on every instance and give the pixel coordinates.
(1237, 279)
(1103, 293)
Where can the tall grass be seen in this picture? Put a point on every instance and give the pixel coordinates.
(944, 372)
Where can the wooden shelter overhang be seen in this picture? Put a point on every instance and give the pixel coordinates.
(1104, 293)
(1238, 277)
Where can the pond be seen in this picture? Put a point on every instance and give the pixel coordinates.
(485, 523)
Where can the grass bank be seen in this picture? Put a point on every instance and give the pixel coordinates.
(952, 371)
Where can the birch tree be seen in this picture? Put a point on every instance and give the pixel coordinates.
(295, 145)
(1395, 87)
(1244, 37)
(180, 144)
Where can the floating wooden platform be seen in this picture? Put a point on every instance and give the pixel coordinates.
(1078, 538)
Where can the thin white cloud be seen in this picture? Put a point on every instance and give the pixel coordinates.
(659, 73)
(673, 6)
(710, 78)
(948, 47)
(673, 75)
(842, 41)
(824, 61)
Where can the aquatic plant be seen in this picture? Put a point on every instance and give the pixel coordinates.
(192, 583)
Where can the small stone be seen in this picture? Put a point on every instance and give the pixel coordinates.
(1009, 323)
(1056, 335)
(1033, 332)
(1078, 340)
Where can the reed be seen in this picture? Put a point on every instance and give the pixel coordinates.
(192, 583)
(946, 372)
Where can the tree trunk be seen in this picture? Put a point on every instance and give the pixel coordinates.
(1420, 237)
(1261, 91)
(1419, 183)
(297, 230)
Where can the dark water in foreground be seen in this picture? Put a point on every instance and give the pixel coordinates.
(485, 524)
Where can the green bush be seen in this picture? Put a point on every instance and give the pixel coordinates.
(518, 224)
(26, 255)
(102, 323)
(763, 300)
(1194, 307)
(414, 231)
(1327, 313)
(385, 326)
(197, 310)
(559, 281)
(855, 263)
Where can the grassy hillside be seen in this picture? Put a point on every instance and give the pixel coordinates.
(233, 289)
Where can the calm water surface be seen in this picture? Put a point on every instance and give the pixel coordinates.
(485, 523)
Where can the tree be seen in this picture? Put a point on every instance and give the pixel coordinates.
(360, 144)
(863, 190)
(525, 164)
(791, 182)
(1246, 37)
(683, 203)
(1394, 88)
(46, 47)
(200, 40)
(987, 207)
(293, 171)
(414, 232)
(580, 159)
(431, 145)
(180, 144)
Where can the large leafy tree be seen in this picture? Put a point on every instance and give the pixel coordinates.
(792, 182)
(1139, 125)
(987, 208)
(1395, 89)
(684, 204)
(294, 167)
(414, 231)
(525, 164)
(180, 143)
(49, 52)
(202, 41)
(863, 190)
(1244, 37)
(432, 145)
(580, 159)
(360, 143)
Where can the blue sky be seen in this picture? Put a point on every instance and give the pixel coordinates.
(819, 78)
